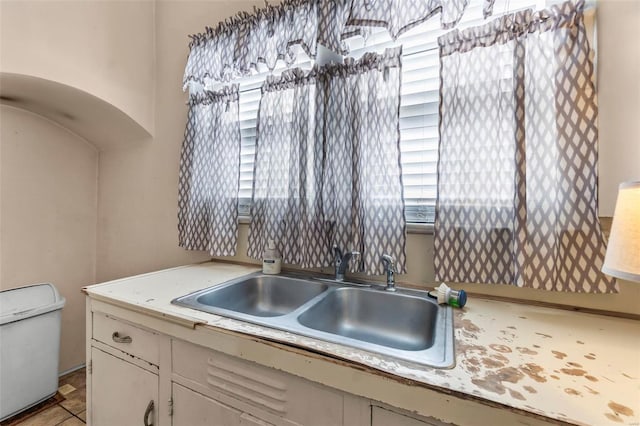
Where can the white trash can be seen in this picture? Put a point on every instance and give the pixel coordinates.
(29, 346)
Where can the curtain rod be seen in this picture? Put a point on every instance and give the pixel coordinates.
(267, 12)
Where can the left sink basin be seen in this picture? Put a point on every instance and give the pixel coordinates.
(258, 296)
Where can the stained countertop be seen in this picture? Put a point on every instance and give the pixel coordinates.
(565, 366)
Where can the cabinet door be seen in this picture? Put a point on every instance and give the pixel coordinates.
(193, 409)
(121, 392)
(264, 392)
(382, 417)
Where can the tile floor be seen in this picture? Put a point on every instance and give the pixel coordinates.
(68, 412)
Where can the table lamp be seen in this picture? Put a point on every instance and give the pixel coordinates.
(623, 250)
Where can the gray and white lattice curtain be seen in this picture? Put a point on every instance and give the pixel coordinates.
(517, 175)
(363, 195)
(287, 199)
(327, 165)
(209, 174)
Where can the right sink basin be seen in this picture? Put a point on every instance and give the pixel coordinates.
(382, 318)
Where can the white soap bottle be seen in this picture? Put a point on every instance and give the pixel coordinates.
(271, 260)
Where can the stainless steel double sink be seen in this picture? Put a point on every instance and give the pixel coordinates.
(406, 324)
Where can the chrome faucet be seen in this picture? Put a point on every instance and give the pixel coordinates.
(390, 269)
(342, 261)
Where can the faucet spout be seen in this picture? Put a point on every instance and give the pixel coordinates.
(342, 261)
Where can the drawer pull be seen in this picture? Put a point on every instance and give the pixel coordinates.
(121, 339)
(147, 413)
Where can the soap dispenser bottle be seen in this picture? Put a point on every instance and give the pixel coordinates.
(271, 261)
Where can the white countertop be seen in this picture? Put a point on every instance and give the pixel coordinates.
(573, 367)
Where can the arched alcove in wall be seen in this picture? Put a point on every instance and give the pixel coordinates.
(94, 119)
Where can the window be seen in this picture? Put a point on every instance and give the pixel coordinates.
(418, 113)
(249, 103)
(418, 109)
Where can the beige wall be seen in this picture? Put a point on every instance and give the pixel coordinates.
(88, 65)
(102, 47)
(138, 186)
(48, 214)
(619, 97)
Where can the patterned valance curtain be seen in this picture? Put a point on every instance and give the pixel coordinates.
(399, 16)
(363, 194)
(327, 168)
(209, 174)
(517, 175)
(287, 200)
(237, 45)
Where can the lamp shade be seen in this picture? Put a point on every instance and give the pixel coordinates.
(623, 250)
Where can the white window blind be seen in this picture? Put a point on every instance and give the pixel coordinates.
(418, 106)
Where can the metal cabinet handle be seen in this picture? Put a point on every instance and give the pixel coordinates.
(121, 339)
(147, 413)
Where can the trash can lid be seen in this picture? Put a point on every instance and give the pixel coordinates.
(23, 302)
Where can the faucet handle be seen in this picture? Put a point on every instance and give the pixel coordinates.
(342, 261)
(337, 252)
(389, 263)
(340, 256)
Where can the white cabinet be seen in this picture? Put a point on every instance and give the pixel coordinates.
(123, 382)
(138, 375)
(121, 393)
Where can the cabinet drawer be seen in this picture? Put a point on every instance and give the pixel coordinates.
(268, 394)
(126, 337)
